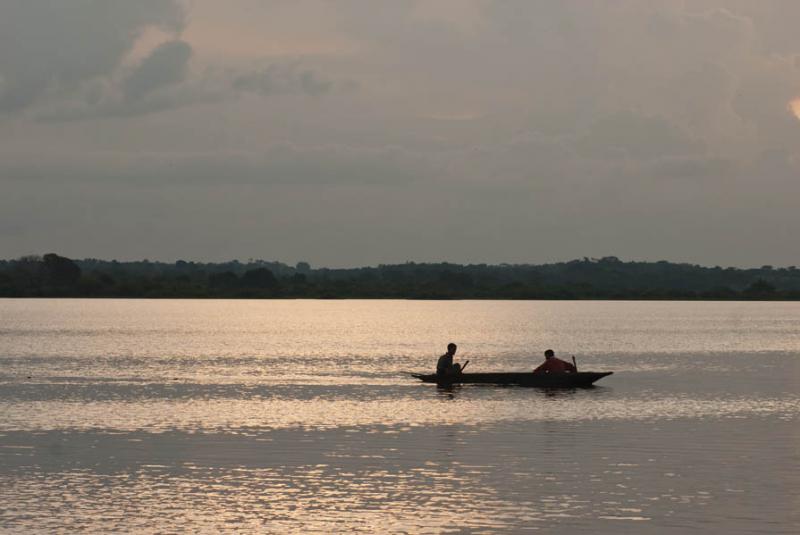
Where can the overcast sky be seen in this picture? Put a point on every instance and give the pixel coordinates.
(361, 132)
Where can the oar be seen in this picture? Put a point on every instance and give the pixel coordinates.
(574, 363)
(464, 365)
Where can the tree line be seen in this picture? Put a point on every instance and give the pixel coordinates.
(52, 275)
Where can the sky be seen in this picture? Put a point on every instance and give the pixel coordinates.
(352, 133)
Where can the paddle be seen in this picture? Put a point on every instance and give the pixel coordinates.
(574, 363)
(464, 365)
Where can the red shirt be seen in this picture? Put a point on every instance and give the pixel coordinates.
(555, 365)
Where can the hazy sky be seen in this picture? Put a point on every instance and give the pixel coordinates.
(363, 132)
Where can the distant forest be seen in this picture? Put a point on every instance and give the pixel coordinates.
(590, 278)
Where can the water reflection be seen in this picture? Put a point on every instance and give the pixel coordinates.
(593, 476)
(448, 391)
(300, 417)
(228, 409)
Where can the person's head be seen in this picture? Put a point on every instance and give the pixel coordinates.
(451, 348)
(549, 354)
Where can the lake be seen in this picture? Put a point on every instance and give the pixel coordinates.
(300, 416)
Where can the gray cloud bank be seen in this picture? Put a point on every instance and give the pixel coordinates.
(55, 47)
(518, 131)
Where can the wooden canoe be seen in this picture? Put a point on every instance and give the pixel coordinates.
(540, 380)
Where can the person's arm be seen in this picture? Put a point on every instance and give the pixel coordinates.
(571, 367)
(542, 368)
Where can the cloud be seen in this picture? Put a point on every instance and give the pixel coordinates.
(70, 60)
(636, 136)
(691, 167)
(165, 66)
(595, 127)
(762, 100)
(55, 47)
(157, 83)
(775, 24)
(331, 165)
(283, 79)
(162, 82)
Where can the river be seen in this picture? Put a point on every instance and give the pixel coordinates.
(300, 416)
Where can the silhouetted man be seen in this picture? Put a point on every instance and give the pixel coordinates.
(552, 364)
(445, 365)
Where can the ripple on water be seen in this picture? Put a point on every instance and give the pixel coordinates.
(170, 416)
(580, 476)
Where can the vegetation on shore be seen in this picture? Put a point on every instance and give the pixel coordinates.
(604, 278)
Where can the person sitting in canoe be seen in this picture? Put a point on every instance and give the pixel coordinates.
(445, 366)
(553, 364)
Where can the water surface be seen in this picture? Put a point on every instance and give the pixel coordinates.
(189, 415)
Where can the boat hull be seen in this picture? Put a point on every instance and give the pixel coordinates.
(543, 380)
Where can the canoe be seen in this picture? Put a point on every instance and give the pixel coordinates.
(541, 380)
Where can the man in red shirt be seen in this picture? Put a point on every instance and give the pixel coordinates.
(552, 364)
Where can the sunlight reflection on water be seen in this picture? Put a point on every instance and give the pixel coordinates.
(226, 414)
(168, 416)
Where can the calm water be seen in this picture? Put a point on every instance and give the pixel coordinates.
(276, 416)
